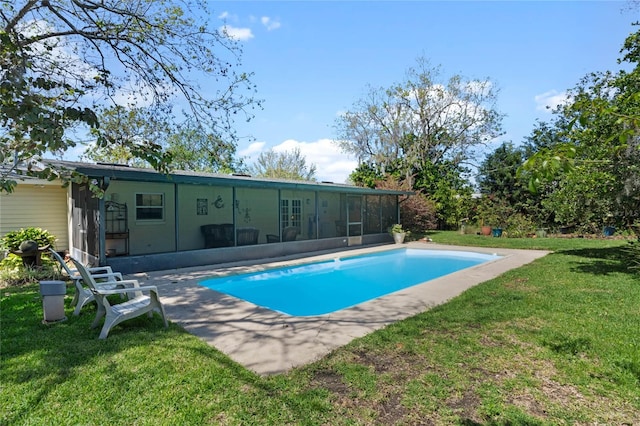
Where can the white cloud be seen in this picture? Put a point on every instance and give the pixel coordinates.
(332, 164)
(241, 34)
(548, 101)
(253, 150)
(269, 23)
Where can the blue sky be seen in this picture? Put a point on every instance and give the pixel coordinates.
(313, 60)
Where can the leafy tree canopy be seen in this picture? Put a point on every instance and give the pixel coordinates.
(422, 121)
(63, 62)
(283, 165)
(598, 149)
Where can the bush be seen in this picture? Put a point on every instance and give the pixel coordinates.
(12, 269)
(12, 240)
(14, 273)
(519, 226)
(417, 213)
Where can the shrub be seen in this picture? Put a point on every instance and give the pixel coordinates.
(12, 269)
(519, 226)
(14, 273)
(12, 240)
(417, 213)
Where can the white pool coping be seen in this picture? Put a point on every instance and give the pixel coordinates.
(269, 342)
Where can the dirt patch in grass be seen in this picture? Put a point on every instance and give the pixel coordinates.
(331, 381)
(523, 376)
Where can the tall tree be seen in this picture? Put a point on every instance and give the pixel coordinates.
(600, 128)
(63, 61)
(424, 130)
(497, 173)
(421, 122)
(189, 144)
(284, 165)
(192, 147)
(132, 128)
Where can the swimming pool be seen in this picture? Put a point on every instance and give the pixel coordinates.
(328, 286)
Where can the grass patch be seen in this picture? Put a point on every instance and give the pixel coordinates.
(552, 342)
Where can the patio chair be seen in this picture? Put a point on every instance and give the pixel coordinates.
(82, 294)
(288, 234)
(247, 236)
(217, 235)
(114, 314)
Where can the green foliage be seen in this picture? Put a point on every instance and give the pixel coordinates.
(417, 212)
(491, 210)
(63, 62)
(14, 273)
(497, 176)
(283, 165)
(396, 228)
(519, 226)
(587, 164)
(633, 255)
(547, 164)
(12, 239)
(366, 175)
(445, 185)
(583, 199)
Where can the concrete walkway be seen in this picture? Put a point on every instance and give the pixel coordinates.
(269, 342)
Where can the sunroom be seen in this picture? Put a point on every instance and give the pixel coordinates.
(149, 221)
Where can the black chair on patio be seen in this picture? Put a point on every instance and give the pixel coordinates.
(290, 233)
(217, 235)
(247, 236)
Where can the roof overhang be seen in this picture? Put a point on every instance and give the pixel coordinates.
(116, 172)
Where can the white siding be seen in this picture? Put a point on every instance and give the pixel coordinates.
(40, 206)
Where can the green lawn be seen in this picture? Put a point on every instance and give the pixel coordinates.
(553, 342)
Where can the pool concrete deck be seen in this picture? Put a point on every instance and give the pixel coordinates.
(269, 342)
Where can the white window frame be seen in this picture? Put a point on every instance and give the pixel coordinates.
(149, 207)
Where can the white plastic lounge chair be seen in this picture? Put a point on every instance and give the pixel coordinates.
(116, 313)
(84, 295)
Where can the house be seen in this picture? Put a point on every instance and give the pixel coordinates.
(147, 220)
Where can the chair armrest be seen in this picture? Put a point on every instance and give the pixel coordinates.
(122, 283)
(95, 269)
(151, 288)
(100, 269)
(116, 275)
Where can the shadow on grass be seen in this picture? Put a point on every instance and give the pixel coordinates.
(603, 261)
(47, 355)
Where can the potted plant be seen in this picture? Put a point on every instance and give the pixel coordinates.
(486, 214)
(398, 233)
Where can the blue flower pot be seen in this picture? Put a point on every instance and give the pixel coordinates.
(609, 231)
(497, 232)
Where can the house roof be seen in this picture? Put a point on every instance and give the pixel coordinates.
(127, 173)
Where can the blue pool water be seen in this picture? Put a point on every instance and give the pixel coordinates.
(328, 286)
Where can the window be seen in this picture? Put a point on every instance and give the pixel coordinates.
(149, 206)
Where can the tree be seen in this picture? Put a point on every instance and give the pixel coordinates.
(417, 212)
(132, 127)
(192, 147)
(600, 151)
(423, 130)
(284, 165)
(421, 122)
(62, 62)
(497, 174)
(189, 144)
